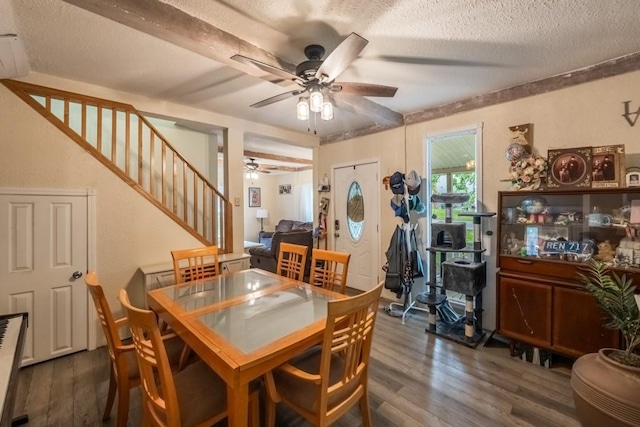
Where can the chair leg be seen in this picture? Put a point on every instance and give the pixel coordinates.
(184, 357)
(254, 416)
(271, 413)
(113, 385)
(123, 403)
(364, 408)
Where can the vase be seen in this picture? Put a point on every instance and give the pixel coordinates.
(605, 392)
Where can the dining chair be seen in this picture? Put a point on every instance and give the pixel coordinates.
(124, 373)
(325, 381)
(195, 264)
(329, 269)
(195, 396)
(292, 261)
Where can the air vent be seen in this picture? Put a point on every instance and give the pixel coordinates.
(13, 57)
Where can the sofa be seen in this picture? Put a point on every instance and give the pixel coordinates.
(284, 226)
(296, 232)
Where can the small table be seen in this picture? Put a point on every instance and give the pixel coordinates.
(244, 324)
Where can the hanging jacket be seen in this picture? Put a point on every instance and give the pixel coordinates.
(397, 279)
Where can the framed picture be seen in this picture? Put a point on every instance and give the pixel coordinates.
(284, 189)
(608, 166)
(255, 199)
(633, 179)
(569, 168)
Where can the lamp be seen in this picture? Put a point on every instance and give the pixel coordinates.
(302, 110)
(314, 103)
(327, 111)
(261, 214)
(315, 99)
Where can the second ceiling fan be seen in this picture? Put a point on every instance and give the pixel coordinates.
(316, 76)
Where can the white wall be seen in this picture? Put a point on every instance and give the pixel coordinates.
(584, 115)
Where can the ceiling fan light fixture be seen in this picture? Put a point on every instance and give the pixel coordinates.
(327, 111)
(302, 110)
(315, 100)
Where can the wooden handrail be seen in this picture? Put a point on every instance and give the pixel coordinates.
(205, 212)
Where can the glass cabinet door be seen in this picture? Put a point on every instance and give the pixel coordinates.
(571, 226)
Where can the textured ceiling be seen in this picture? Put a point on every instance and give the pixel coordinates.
(435, 51)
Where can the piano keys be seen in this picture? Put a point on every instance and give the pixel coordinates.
(13, 329)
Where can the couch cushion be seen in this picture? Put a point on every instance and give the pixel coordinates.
(284, 225)
(299, 225)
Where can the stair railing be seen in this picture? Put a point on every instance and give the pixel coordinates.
(129, 145)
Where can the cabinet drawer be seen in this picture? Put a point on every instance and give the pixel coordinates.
(233, 266)
(525, 311)
(538, 267)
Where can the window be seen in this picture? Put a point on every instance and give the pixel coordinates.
(355, 211)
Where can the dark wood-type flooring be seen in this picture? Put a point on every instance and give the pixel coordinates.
(415, 379)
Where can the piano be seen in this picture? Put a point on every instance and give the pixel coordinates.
(13, 329)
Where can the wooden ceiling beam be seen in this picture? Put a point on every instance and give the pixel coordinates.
(613, 67)
(267, 156)
(175, 26)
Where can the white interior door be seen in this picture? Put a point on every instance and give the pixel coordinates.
(43, 242)
(356, 211)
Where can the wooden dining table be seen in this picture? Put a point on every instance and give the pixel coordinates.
(244, 324)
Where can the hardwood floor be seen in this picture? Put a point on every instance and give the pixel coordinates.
(415, 379)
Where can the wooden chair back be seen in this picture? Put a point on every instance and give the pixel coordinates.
(105, 315)
(348, 336)
(292, 260)
(329, 269)
(195, 264)
(323, 383)
(124, 372)
(157, 386)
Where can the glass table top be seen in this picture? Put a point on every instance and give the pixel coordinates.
(261, 321)
(207, 292)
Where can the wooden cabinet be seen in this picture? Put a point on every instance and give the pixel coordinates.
(546, 240)
(525, 310)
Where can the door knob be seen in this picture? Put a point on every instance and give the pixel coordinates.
(77, 274)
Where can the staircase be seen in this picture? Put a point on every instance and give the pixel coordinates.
(125, 142)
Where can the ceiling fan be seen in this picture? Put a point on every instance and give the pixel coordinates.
(252, 166)
(318, 75)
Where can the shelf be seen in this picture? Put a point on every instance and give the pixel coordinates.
(466, 250)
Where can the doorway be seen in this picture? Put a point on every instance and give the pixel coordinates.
(43, 265)
(454, 166)
(356, 206)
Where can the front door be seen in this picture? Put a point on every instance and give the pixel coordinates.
(43, 242)
(356, 212)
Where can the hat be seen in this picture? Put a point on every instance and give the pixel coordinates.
(416, 205)
(413, 182)
(396, 182)
(400, 207)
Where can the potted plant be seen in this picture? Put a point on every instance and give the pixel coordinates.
(606, 385)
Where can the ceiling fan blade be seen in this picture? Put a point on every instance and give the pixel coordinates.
(279, 72)
(360, 105)
(277, 98)
(364, 89)
(341, 57)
